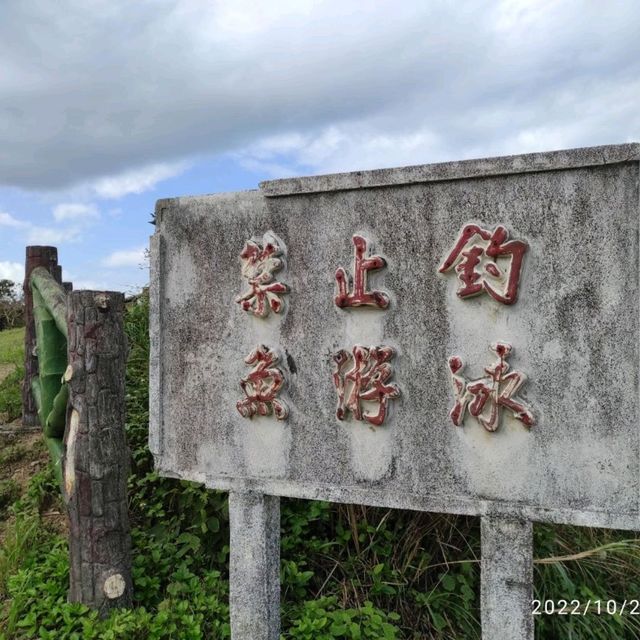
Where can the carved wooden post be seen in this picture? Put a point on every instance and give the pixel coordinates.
(96, 461)
(254, 566)
(507, 579)
(46, 257)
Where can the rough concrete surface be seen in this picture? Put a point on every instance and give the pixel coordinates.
(507, 579)
(254, 566)
(574, 330)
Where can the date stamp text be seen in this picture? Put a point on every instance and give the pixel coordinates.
(582, 608)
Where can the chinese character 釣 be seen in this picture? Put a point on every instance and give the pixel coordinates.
(486, 261)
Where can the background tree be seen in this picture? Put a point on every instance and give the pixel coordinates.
(11, 305)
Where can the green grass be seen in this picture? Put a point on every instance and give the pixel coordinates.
(12, 346)
(11, 363)
(11, 394)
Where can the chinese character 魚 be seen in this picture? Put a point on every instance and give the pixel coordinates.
(262, 385)
(360, 297)
(486, 396)
(259, 263)
(364, 381)
(486, 261)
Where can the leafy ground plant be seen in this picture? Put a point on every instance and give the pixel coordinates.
(348, 572)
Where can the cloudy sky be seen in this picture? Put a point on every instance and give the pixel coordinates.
(108, 105)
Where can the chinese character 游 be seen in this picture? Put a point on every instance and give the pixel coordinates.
(364, 378)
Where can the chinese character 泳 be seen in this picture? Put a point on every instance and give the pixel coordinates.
(486, 396)
(259, 263)
(364, 383)
(360, 297)
(486, 261)
(262, 385)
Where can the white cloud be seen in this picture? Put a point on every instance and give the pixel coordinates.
(12, 271)
(7, 220)
(136, 181)
(75, 211)
(75, 215)
(90, 285)
(398, 82)
(50, 236)
(342, 148)
(398, 137)
(126, 258)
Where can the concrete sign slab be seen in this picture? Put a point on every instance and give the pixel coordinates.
(460, 337)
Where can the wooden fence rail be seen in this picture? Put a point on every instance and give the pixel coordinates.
(75, 359)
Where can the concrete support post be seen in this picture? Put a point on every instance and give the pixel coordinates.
(254, 569)
(507, 579)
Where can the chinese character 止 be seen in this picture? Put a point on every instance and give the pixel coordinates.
(486, 261)
(262, 385)
(364, 381)
(259, 263)
(360, 297)
(486, 396)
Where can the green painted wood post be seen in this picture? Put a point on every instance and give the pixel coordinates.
(36, 256)
(50, 393)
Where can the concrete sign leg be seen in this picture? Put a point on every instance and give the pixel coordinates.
(254, 598)
(507, 579)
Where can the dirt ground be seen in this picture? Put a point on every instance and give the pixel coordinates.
(22, 454)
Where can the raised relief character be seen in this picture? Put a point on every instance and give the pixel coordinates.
(363, 377)
(486, 261)
(359, 296)
(486, 397)
(259, 264)
(262, 386)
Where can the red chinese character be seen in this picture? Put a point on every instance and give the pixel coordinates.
(259, 263)
(499, 273)
(360, 296)
(262, 385)
(485, 397)
(365, 381)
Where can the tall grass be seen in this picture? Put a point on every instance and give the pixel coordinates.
(12, 346)
(11, 372)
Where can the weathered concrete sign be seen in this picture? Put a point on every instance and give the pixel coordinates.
(460, 337)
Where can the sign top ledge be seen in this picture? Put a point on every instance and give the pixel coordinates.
(464, 169)
(437, 172)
